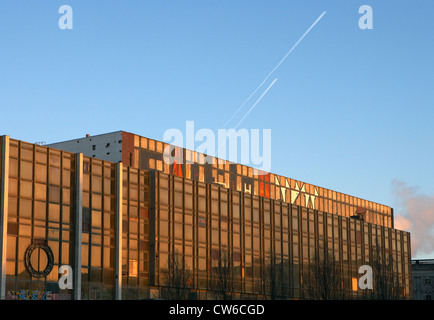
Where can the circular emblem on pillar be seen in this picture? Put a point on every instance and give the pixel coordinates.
(39, 259)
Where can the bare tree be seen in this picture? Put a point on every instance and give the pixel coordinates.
(177, 278)
(386, 285)
(221, 277)
(326, 281)
(271, 284)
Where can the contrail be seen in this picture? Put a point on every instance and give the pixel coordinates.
(254, 105)
(247, 113)
(277, 66)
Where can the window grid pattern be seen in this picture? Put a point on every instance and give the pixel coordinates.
(149, 154)
(202, 221)
(41, 209)
(98, 229)
(135, 233)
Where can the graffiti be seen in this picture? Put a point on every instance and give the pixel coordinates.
(28, 295)
(36, 295)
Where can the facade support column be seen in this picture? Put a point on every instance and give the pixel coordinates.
(118, 217)
(78, 224)
(4, 193)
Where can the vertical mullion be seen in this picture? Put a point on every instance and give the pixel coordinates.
(4, 189)
(119, 233)
(78, 224)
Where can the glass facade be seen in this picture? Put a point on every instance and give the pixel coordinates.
(135, 233)
(274, 249)
(185, 238)
(148, 154)
(40, 211)
(98, 229)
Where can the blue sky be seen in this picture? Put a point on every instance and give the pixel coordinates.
(352, 110)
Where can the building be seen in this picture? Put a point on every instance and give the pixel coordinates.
(423, 279)
(148, 154)
(132, 226)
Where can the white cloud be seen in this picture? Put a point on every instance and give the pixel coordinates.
(415, 214)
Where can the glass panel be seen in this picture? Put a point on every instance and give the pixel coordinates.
(54, 174)
(26, 170)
